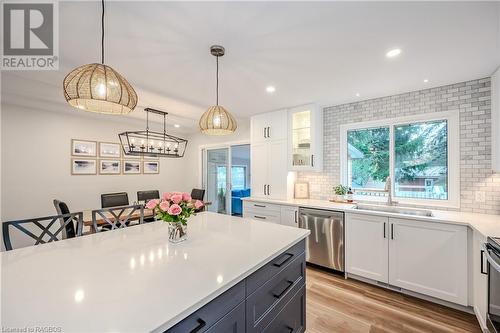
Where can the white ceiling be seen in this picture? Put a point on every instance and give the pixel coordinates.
(322, 52)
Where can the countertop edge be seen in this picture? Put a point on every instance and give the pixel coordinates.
(187, 312)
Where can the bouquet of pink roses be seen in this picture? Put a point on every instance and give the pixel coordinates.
(174, 207)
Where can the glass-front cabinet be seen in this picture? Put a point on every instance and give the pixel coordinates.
(305, 126)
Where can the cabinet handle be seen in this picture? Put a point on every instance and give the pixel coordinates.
(384, 229)
(312, 160)
(201, 324)
(392, 231)
(482, 263)
(283, 260)
(265, 189)
(289, 284)
(296, 219)
(268, 189)
(290, 329)
(259, 217)
(269, 132)
(265, 133)
(262, 206)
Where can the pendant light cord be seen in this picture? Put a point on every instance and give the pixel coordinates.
(102, 33)
(217, 85)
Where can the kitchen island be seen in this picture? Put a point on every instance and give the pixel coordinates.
(134, 280)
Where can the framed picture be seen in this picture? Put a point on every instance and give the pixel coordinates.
(301, 191)
(111, 150)
(131, 167)
(109, 167)
(151, 167)
(83, 148)
(83, 166)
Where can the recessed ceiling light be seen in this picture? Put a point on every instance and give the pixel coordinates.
(426, 80)
(393, 53)
(270, 89)
(357, 95)
(177, 125)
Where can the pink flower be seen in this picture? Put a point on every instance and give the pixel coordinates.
(176, 198)
(164, 205)
(152, 204)
(175, 209)
(186, 196)
(167, 196)
(198, 204)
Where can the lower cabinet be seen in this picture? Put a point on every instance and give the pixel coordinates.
(290, 216)
(270, 300)
(479, 279)
(424, 257)
(280, 214)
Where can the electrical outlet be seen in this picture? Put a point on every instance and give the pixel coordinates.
(480, 196)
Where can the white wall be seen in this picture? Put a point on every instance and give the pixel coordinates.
(36, 149)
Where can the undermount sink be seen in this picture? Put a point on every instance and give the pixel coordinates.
(395, 210)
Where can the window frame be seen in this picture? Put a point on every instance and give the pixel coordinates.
(453, 144)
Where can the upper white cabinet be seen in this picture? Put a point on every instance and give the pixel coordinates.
(495, 120)
(424, 257)
(269, 168)
(305, 138)
(269, 126)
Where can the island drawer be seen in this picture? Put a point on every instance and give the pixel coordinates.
(267, 301)
(292, 318)
(272, 268)
(233, 322)
(208, 315)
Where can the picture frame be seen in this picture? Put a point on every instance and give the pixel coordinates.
(301, 190)
(83, 148)
(110, 150)
(151, 167)
(82, 166)
(132, 167)
(110, 167)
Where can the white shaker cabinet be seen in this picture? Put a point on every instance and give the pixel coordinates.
(269, 126)
(367, 246)
(479, 279)
(290, 216)
(305, 138)
(429, 258)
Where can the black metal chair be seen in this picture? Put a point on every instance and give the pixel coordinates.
(145, 196)
(41, 229)
(62, 209)
(197, 194)
(106, 219)
(114, 199)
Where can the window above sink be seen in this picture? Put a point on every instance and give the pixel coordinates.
(419, 153)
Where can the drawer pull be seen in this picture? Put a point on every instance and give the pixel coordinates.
(259, 217)
(262, 206)
(290, 329)
(201, 324)
(286, 256)
(289, 284)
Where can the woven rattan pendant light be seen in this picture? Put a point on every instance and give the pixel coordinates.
(217, 120)
(98, 87)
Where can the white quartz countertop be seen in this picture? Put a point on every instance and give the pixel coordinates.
(487, 225)
(134, 280)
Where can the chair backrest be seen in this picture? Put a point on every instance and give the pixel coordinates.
(41, 229)
(117, 217)
(62, 209)
(114, 199)
(147, 195)
(197, 194)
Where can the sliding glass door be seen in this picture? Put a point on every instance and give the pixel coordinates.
(226, 178)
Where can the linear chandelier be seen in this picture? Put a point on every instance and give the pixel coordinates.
(98, 87)
(150, 143)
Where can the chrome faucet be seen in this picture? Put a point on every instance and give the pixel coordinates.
(388, 189)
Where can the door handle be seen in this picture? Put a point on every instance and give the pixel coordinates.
(384, 229)
(269, 132)
(201, 324)
(264, 189)
(492, 262)
(482, 263)
(392, 231)
(268, 189)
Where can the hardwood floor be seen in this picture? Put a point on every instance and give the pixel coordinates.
(338, 305)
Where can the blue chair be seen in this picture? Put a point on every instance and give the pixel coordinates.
(236, 202)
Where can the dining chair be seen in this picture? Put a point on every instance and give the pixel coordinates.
(198, 194)
(42, 229)
(69, 230)
(114, 199)
(106, 219)
(145, 196)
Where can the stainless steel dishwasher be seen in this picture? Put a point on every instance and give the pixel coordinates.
(325, 244)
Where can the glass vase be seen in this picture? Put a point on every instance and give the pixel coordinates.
(177, 232)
